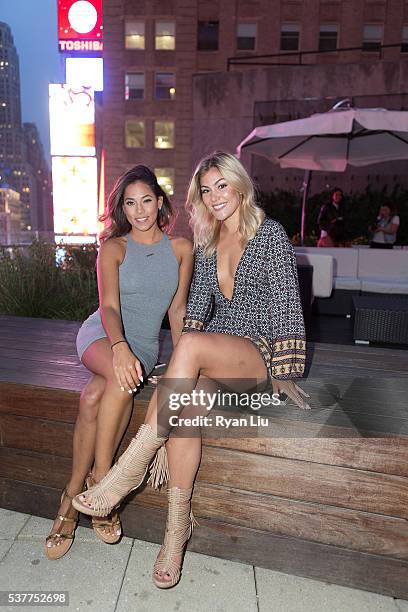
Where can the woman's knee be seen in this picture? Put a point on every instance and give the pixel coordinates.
(188, 346)
(90, 399)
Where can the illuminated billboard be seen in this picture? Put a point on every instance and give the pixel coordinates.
(86, 71)
(72, 120)
(80, 28)
(75, 195)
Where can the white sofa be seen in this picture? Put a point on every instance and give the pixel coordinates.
(361, 269)
(322, 283)
(354, 271)
(383, 271)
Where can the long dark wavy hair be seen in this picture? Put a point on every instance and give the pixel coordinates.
(118, 225)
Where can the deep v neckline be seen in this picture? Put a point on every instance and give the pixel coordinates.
(231, 299)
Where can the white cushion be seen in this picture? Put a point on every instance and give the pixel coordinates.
(383, 263)
(345, 260)
(322, 272)
(347, 282)
(384, 285)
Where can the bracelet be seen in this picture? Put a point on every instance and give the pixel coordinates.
(118, 342)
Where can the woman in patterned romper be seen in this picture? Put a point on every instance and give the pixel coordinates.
(245, 276)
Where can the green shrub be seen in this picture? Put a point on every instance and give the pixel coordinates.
(38, 282)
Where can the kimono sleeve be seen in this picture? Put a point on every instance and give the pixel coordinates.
(283, 341)
(200, 295)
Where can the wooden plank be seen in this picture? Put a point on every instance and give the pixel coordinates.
(292, 479)
(74, 382)
(362, 531)
(325, 484)
(284, 554)
(388, 455)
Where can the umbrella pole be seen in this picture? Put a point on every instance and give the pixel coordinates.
(305, 196)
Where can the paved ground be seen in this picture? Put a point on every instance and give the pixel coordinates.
(102, 578)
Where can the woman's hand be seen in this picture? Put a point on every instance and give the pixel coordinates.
(291, 389)
(127, 368)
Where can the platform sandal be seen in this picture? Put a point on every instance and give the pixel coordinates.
(127, 474)
(62, 541)
(99, 524)
(179, 527)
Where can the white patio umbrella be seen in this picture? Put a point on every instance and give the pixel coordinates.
(331, 141)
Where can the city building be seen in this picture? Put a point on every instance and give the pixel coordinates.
(155, 50)
(10, 216)
(22, 163)
(39, 198)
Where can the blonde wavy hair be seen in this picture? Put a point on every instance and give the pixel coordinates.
(206, 228)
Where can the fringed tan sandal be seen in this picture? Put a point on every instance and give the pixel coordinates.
(99, 524)
(180, 525)
(61, 542)
(126, 475)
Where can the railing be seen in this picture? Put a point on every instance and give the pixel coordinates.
(242, 59)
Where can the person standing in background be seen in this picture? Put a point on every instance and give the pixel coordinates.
(384, 232)
(331, 221)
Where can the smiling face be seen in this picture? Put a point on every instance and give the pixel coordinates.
(220, 198)
(141, 206)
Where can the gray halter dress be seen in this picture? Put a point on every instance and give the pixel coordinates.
(148, 280)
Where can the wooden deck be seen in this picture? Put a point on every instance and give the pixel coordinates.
(322, 494)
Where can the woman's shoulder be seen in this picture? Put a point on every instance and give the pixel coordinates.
(113, 247)
(395, 219)
(273, 228)
(183, 247)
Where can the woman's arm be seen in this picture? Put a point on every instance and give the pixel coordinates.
(109, 259)
(177, 310)
(283, 340)
(127, 368)
(199, 299)
(389, 230)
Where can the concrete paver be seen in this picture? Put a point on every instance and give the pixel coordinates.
(207, 584)
(92, 572)
(11, 523)
(280, 592)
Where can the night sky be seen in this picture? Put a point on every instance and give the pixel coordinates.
(34, 27)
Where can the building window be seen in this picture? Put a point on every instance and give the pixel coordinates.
(372, 37)
(165, 88)
(134, 35)
(404, 43)
(134, 134)
(165, 178)
(164, 134)
(207, 38)
(246, 36)
(289, 37)
(328, 37)
(165, 39)
(134, 86)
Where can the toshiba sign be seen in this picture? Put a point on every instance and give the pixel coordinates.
(80, 28)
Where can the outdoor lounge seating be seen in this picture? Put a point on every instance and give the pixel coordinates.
(380, 319)
(356, 271)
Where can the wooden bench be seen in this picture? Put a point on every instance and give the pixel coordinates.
(322, 494)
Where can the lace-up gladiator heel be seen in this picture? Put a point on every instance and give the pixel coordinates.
(127, 474)
(180, 525)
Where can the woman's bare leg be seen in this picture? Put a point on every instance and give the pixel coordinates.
(214, 356)
(97, 359)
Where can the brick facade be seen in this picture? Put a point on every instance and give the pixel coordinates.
(185, 61)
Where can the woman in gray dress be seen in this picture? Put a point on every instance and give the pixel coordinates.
(244, 322)
(142, 274)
